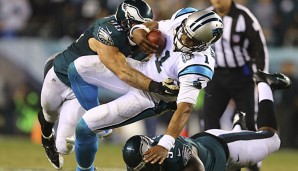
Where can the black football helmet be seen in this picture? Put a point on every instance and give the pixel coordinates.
(133, 151)
(129, 11)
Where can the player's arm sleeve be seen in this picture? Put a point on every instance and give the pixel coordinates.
(192, 79)
(190, 86)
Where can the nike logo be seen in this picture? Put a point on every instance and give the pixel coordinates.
(167, 92)
(109, 31)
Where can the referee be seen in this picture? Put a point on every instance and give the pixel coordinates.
(239, 53)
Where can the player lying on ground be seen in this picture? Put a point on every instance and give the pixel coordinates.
(215, 149)
(187, 59)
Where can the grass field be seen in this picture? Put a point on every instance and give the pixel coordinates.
(19, 154)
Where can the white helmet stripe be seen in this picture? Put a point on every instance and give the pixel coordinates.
(201, 20)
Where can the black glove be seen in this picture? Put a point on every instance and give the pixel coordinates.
(167, 87)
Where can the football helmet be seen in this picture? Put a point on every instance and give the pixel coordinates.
(133, 151)
(137, 11)
(202, 27)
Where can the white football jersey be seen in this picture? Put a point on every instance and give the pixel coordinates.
(190, 71)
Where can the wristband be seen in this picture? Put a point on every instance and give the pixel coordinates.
(138, 26)
(154, 87)
(167, 142)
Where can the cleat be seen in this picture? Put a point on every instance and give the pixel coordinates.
(276, 81)
(239, 119)
(253, 168)
(53, 156)
(105, 133)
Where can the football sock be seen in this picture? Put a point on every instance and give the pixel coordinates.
(46, 127)
(237, 128)
(86, 146)
(265, 91)
(266, 113)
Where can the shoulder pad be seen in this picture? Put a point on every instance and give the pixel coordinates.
(108, 31)
(104, 36)
(183, 11)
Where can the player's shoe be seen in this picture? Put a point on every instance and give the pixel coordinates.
(254, 167)
(276, 81)
(54, 157)
(70, 141)
(105, 133)
(239, 119)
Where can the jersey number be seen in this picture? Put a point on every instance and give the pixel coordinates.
(158, 62)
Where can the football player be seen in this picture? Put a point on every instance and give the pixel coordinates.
(215, 149)
(108, 39)
(187, 60)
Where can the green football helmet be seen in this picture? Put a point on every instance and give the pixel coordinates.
(133, 11)
(133, 151)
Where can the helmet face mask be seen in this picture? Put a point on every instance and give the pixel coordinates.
(182, 46)
(133, 152)
(203, 28)
(133, 12)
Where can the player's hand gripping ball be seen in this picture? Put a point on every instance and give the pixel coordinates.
(157, 37)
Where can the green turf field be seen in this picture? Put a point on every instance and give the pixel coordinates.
(19, 154)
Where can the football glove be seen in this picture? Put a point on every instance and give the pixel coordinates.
(167, 87)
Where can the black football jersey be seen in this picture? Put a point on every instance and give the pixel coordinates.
(107, 31)
(210, 149)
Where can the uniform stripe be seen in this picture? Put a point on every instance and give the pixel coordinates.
(207, 21)
(197, 69)
(239, 136)
(201, 18)
(241, 30)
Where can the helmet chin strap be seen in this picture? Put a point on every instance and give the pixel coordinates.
(140, 166)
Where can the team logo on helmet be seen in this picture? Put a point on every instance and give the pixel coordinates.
(133, 13)
(217, 32)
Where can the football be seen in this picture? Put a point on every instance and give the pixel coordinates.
(158, 38)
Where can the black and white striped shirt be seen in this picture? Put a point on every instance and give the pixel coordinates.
(242, 42)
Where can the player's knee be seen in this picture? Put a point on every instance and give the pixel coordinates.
(275, 144)
(50, 116)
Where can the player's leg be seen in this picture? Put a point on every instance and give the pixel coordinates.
(249, 147)
(86, 74)
(245, 101)
(105, 116)
(215, 103)
(70, 113)
(266, 84)
(87, 94)
(51, 100)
